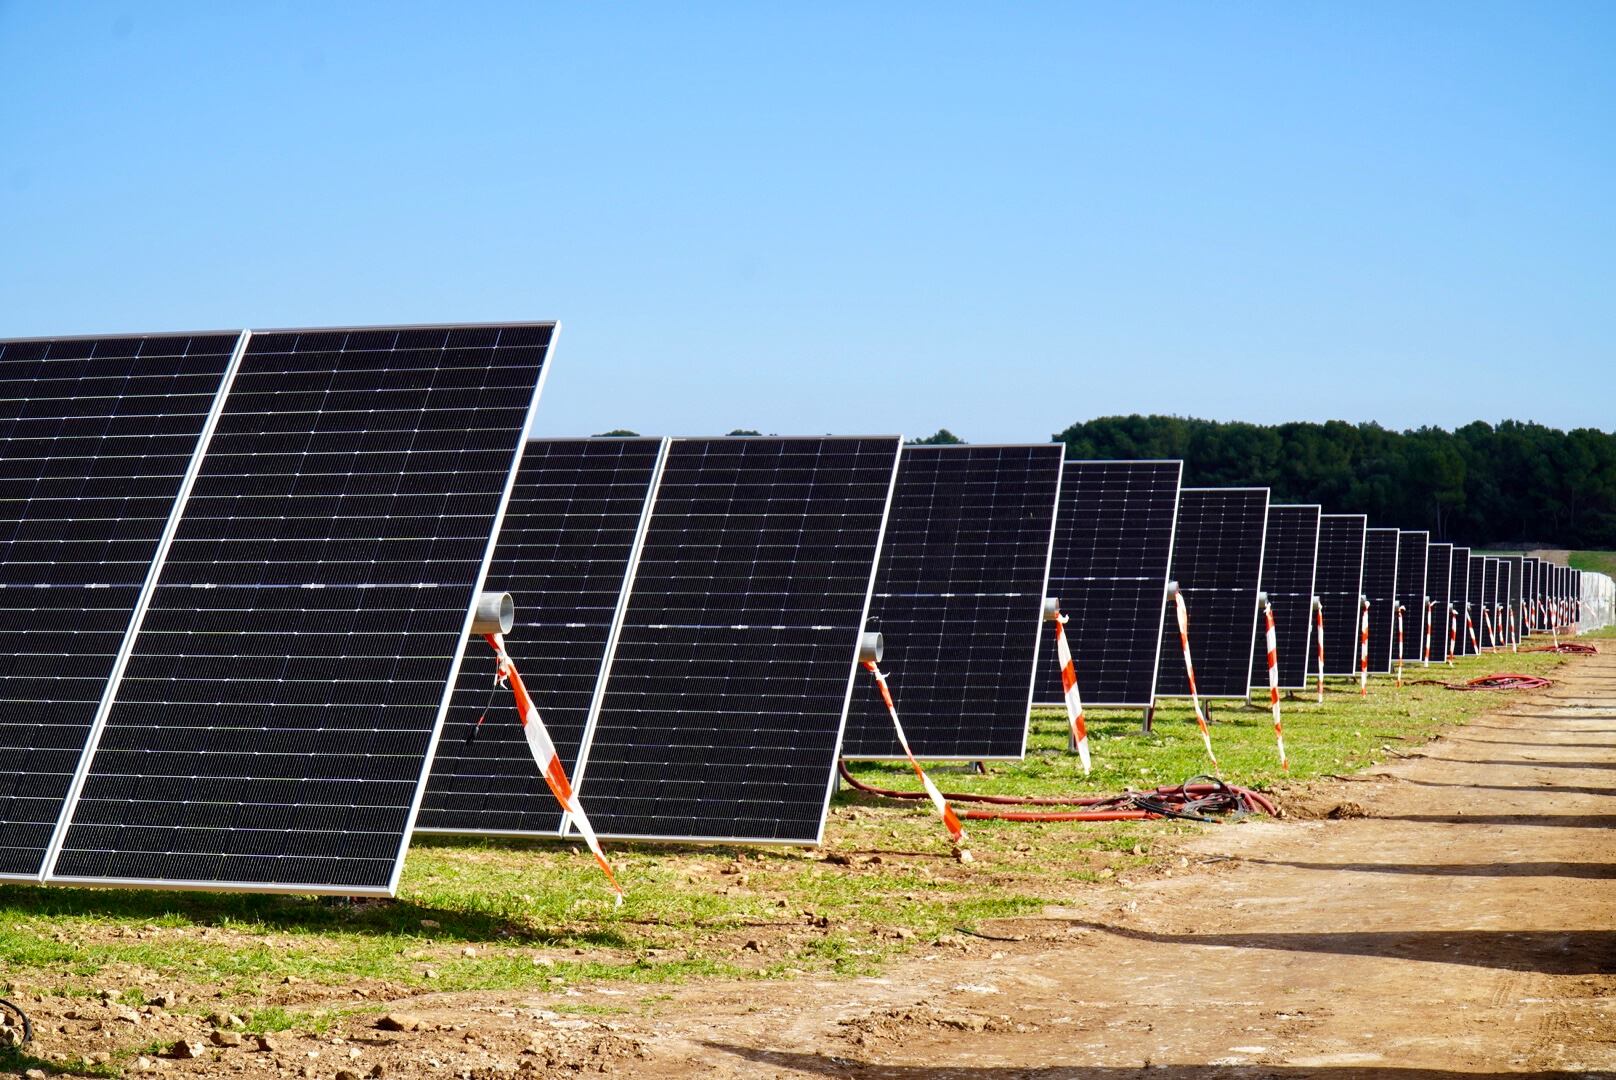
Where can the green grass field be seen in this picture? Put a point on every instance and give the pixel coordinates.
(1602, 561)
(508, 915)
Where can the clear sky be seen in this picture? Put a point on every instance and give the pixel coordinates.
(855, 217)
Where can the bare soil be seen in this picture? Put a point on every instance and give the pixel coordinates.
(1446, 916)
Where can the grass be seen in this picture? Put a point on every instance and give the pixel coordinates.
(509, 915)
(1602, 561)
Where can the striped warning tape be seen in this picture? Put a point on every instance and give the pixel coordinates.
(1399, 644)
(549, 762)
(1363, 648)
(1470, 630)
(1453, 631)
(1425, 643)
(946, 812)
(1487, 626)
(1189, 669)
(1074, 700)
(1273, 680)
(1318, 622)
(1514, 634)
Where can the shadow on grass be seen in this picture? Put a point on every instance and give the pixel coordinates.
(294, 914)
(817, 1064)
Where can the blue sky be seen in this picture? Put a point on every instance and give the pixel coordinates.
(854, 218)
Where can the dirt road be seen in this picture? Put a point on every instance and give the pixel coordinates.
(1464, 925)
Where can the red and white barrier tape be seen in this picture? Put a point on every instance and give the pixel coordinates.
(1318, 622)
(1425, 644)
(1273, 681)
(1470, 631)
(1487, 627)
(549, 762)
(1453, 631)
(1189, 670)
(1399, 644)
(1363, 650)
(1074, 700)
(946, 812)
(1514, 634)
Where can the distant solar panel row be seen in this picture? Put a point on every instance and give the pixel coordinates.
(1339, 585)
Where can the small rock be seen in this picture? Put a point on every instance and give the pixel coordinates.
(377, 1071)
(100, 1057)
(106, 995)
(903, 933)
(429, 973)
(143, 1064)
(543, 961)
(126, 1014)
(183, 1049)
(430, 924)
(35, 1074)
(752, 946)
(226, 1038)
(468, 951)
(347, 1074)
(399, 1022)
(264, 1042)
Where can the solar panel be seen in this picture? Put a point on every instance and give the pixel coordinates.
(1290, 559)
(1531, 570)
(1506, 588)
(1217, 562)
(274, 723)
(1380, 586)
(1412, 548)
(1487, 626)
(1338, 585)
(1512, 600)
(1476, 597)
(97, 438)
(959, 599)
(1113, 543)
(1438, 571)
(564, 551)
(721, 712)
(1459, 596)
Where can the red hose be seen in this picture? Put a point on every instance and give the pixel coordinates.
(1504, 680)
(1577, 647)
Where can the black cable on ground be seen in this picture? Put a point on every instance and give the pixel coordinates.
(27, 1025)
(1196, 799)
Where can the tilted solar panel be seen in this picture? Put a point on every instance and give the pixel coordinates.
(1412, 547)
(1459, 596)
(1217, 562)
(1512, 600)
(959, 597)
(1380, 586)
(727, 688)
(1487, 618)
(1290, 560)
(563, 553)
(1113, 544)
(1438, 570)
(1506, 590)
(1476, 598)
(273, 727)
(1338, 586)
(97, 438)
(1531, 570)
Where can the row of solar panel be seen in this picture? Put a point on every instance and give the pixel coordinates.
(239, 570)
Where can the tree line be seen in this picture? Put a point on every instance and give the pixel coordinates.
(1481, 485)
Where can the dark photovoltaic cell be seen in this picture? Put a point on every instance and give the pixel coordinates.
(1512, 599)
(1476, 599)
(274, 724)
(1438, 568)
(1290, 559)
(1458, 596)
(959, 598)
(1113, 544)
(1380, 586)
(727, 688)
(1217, 562)
(1338, 585)
(1506, 587)
(1487, 617)
(96, 438)
(563, 553)
(1412, 547)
